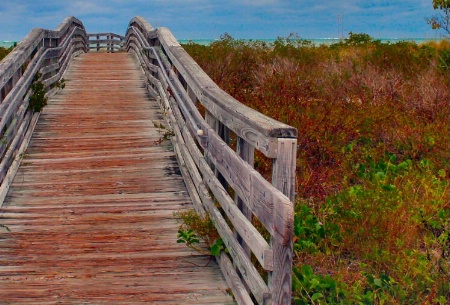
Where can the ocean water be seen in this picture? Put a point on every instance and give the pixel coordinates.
(315, 41)
(7, 44)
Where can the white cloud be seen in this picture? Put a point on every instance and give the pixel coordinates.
(260, 2)
(211, 18)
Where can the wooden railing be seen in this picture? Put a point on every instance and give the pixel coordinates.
(106, 42)
(42, 51)
(211, 168)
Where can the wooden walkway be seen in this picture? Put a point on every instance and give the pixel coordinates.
(91, 207)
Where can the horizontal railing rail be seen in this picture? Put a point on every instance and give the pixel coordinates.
(45, 52)
(211, 167)
(106, 42)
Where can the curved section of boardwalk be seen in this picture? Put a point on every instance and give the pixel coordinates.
(91, 207)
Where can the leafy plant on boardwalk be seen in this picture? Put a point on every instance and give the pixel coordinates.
(195, 229)
(38, 100)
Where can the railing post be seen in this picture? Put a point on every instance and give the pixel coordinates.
(224, 134)
(212, 122)
(16, 78)
(283, 178)
(273, 209)
(98, 43)
(247, 153)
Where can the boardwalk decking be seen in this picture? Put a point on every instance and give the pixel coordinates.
(90, 209)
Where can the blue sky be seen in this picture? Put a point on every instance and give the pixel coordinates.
(208, 19)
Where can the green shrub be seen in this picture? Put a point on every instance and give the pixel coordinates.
(371, 219)
(5, 51)
(37, 100)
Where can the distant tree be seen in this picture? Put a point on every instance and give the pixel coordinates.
(442, 19)
(358, 39)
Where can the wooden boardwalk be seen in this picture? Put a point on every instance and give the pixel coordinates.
(91, 207)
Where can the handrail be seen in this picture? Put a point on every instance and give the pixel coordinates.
(106, 41)
(49, 53)
(210, 166)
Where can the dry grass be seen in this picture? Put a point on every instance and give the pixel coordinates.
(362, 109)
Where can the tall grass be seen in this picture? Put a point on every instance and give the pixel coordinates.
(372, 213)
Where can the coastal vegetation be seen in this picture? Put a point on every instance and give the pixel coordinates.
(372, 222)
(5, 51)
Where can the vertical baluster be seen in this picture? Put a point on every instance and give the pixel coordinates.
(213, 123)
(247, 153)
(192, 95)
(98, 43)
(283, 178)
(224, 133)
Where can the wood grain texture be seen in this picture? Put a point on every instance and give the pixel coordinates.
(12, 170)
(283, 176)
(15, 97)
(181, 83)
(91, 207)
(13, 108)
(272, 208)
(269, 205)
(239, 291)
(256, 128)
(22, 52)
(258, 245)
(247, 153)
(197, 164)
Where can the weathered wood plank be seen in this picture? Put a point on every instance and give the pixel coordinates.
(142, 24)
(181, 83)
(91, 207)
(239, 291)
(108, 41)
(195, 162)
(280, 280)
(11, 132)
(12, 152)
(268, 204)
(271, 207)
(120, 37)
(263, 253)
(247, 153)
(13, 99)
(32, 42)
(21, 53)
(245, 122)
(12, 169)
(252, 278)
(190, 185)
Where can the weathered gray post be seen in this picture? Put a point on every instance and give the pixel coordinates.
(283, 178)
